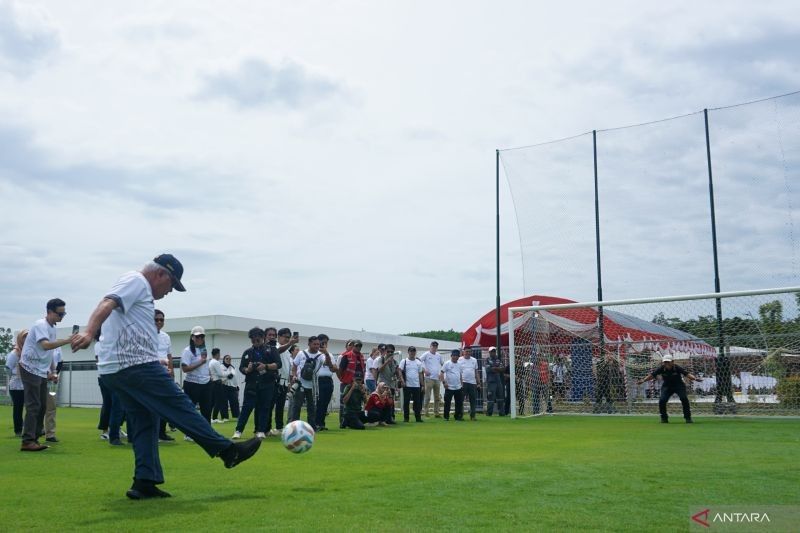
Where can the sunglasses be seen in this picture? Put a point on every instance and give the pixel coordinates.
(199, 336)
(159, 320)
(62, 314)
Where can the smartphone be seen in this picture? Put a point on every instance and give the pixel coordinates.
(296, 333)
(75, 329)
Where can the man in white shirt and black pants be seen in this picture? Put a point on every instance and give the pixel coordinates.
(128, 364)
(36, 368)
(453, 387)
(471, 378)
(412, 370)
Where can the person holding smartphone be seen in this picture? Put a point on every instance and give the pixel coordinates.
(324, 382)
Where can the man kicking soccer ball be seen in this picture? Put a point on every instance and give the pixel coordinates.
(128, 364)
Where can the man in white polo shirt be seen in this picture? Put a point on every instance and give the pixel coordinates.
(412, 370)
(433, 362)
(451, 377)
(472, 380)
(36, 368)
(128, 364)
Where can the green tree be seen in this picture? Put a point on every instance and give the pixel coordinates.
(438, 334)
(6, 341)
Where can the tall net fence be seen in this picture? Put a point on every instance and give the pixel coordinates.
(580, 358)
(654, 205)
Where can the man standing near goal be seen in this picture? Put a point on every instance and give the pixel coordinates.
(673, 384)
(128, 365)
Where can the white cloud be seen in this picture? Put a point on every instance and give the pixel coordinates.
(27, 37)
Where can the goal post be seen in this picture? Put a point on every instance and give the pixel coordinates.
(744, 346)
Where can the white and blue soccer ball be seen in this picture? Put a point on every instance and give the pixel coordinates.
(297, 436)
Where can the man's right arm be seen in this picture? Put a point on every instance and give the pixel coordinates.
(99, 315)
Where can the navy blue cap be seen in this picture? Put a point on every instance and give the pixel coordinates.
(175, 269)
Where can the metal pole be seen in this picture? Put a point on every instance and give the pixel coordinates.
(601, 331)
(723, 367)
(70, 384)
(497, 242)
(512, 367)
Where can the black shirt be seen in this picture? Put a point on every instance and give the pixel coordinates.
(262, 354)
(672, 377)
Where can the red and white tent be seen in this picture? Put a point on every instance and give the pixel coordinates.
(625, 331)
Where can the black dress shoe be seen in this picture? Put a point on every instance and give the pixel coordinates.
(142, 490)
(239, 452)
(51, 439)
(116, 442)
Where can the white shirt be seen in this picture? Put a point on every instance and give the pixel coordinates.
(129, 336)
(164, 346)
(469, 368)
(233, 380)
(452, 375)
(12, 364)
(36, 359)
(300, 360)
(285, 371)
(433, 364)
(371, 363)
(412, 368)
(200, 374)
(215, 369)
(324, 370)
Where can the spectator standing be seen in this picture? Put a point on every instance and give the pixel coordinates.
(324, 382)
(52, 398)
(453, 386)
(540, 375)
(164, 350)
(559, 371)
(196, 378)
(432, 361)
(15, 388)
(495, 393)
(471, 380)
(350, 363)
(413, 376)
(128, 363)
(230, 387)
(608, 378)
(304, 376)
(389, 373)
(260, 366)
(36, 368)
(217, 393)
(283, 387)
(371, 377)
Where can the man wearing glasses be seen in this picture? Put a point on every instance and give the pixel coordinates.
(36, 368)
(128, 365)
(165, 358)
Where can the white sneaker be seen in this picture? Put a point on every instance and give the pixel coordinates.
(104, 435)
(187, 438)
(214, 421)
(260, 435)
(274, 432)
(224, 420)
(122, 434)
(237, 435)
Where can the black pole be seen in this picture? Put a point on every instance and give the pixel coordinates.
(597, 244)
(723, 366)
(497, 239)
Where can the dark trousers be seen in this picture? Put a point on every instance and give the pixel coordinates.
(105, 410)
(231, 399)
(666, 393)
(307, 395)
(148, 393)
(494, 395)
(471, 392)
(18, 399)
(341, 404)
(449, 394)
(35, 397)
(325, 393)
(218, 399)
(200, 394)
(412, 394)
(116, 415)
(258, 396)
(280, 404)
(541, 393)
(357, 420)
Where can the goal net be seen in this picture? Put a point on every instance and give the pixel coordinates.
(588, 358)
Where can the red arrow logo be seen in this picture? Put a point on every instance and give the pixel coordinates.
(702, 518)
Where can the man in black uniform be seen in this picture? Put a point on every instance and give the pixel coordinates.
(673, 384)
(495, 371)
(260, 365)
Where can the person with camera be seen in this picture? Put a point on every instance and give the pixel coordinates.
(380, 405)
(413, 371)
(354, 394)
(389, 372)
(350, 363)
(260, 366)
(230, 388)
(304, 372)
(287, 350)
(324, 382)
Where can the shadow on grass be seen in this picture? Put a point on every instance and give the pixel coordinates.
(126, 510)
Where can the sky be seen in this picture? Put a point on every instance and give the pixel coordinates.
(332, 163)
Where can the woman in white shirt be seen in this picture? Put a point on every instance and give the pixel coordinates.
(230, 386)
(196, 379)
(15, 388)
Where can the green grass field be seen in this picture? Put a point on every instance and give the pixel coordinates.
(549, 474)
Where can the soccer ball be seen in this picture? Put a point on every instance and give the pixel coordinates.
(297, 436)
